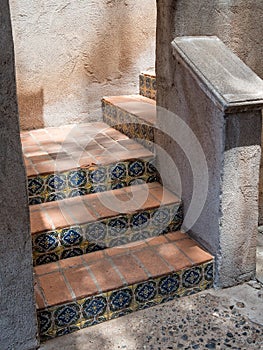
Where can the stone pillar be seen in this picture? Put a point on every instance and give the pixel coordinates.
(216, 106)
(18, 328)
(238, 23)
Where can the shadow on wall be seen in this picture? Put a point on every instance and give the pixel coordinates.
(31, 107)
(115, 48)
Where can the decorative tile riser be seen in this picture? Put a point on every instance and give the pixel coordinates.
(52, 187)
(82, 239)
(67, 318)
(147, 86)
(128, 124)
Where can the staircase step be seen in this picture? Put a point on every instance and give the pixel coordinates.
(147, 82)
(133, 115)
(75, 160)
(87, 290)
(82, 225)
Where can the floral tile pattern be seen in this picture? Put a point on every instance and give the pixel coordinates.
(147, 84)
(128, 124)
(69, 317)
(115, 231)
(93, 179)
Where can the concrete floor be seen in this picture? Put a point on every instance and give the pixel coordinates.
(224, 319)
(230, 318)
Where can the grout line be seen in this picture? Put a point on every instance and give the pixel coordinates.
(115, 267)
(156, 252)
(49, 217)
(92, 276)
(181, 250)
(68, 284)
(141, 265)
(41, 291)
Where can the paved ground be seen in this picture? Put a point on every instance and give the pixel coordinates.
(225, 319)
(232, 318)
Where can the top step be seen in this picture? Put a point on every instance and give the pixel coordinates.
(67, 161)
(147, 83)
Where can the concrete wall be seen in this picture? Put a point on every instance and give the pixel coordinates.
(18, 320)
(238, 23)
(71, 53)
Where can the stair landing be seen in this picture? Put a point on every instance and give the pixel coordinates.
(73, 160)
(87, 290)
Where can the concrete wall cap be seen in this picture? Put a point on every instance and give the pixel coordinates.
(226, 79)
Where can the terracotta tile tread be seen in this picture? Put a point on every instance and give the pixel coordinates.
(91, 207)
(144, 108)
(112, 269)
(69, 147)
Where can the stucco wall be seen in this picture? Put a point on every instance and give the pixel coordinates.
(17, 309)
(71, 53)
(239, 25)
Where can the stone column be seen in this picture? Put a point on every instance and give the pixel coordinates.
(18, 328)
(215, 120)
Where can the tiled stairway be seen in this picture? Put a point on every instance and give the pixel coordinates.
(105, 232)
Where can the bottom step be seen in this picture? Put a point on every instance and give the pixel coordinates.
(83, 291)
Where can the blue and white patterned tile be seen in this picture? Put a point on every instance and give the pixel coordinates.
(67, 315)
(115, 242)
(118, 171)
(161, 217)
(192, 277)
(97, 175)
(56, 182)
(118, 226)
(35, 186)
(46, 242)
(94, 322)
(209, 272)
(57, 196)
(78, 192)
(139, 181)
(70, 253)
(94, 247)
(77, 178)
(46, 258)
(117, 185)
(96, 231)
(36, 200)
(120, 299)
(44, 321)
(169, 284)
(94, 307)
(121, 313)
(145, 292)
(71, 236)
(147, 305)
(140, 236)
(136, 168)
(140, 221)
(98, 189)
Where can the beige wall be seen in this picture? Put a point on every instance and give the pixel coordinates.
(71, 53)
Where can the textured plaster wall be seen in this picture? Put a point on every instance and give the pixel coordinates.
(238, 23)
(18, 320)
(71, 53)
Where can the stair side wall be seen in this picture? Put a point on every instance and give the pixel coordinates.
(18, 329)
